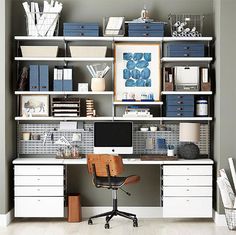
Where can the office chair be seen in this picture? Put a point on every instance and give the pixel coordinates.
(105, 169)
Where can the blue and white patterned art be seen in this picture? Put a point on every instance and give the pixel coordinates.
(137, 72)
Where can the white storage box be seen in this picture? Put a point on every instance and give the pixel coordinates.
(39, 51)
(88, 51)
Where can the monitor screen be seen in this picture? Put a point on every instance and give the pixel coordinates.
(113, 137)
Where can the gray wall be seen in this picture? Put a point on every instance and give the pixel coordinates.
(225, 111)
(80, 10)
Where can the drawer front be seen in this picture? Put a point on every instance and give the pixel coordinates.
(39, 206)
(39, 191)
(186, 54)
(186, 47)
(38, 170)
(185, 207)
(187, 191)
(187, 170)
(180, 102)
(76, 26)
(180, 114)
(146, 33)
(179, 98)
(39, 180)
(187, 180)
(146, 26)
(183, 108)
(81, 33)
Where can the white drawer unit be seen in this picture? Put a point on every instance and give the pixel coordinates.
(39, 206)
(187, 191)
(39, 190)
(38, 170)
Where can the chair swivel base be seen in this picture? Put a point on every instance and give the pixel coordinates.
(109, 215)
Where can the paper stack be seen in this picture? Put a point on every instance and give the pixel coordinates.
(42, 23)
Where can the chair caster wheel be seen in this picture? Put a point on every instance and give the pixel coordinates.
(107, 217)
(135, 222)
(107, 226)
(90, 222)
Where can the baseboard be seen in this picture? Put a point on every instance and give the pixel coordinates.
(141, 212)
(219, 219)
(6, 219)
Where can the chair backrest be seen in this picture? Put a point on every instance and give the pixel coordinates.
(100, 161)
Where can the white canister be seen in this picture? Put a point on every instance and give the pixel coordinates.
(201, 107)
(98, 84)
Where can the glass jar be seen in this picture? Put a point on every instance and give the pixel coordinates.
(75, 151)
(68, 152)
(202, 107)
(60, 153)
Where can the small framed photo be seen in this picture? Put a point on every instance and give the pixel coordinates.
(34, 105)
(83, 87)
(137, 71)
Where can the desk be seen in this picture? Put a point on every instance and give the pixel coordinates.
(186, 186)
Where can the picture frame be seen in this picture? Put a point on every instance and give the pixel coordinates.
(137, 72)
(34, 105)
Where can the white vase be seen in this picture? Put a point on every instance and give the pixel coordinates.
(98, 84)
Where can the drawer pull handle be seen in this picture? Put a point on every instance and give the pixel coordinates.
(38, 200)
(187, 200)
(180, 96)
(186, 48)
(187, 168)
(38, 189)
(186, 55)
(179, 102)
(38, 179)
(187, 179)
(187, 190)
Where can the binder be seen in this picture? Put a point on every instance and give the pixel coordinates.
(57, 81)
(67, 79)
(43, 78)
(34, 78)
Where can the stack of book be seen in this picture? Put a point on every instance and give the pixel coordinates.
(66, 107)
(136, 111)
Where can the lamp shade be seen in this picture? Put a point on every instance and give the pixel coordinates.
(189, 132)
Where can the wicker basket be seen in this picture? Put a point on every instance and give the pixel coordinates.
(186, 25)
(230, 214)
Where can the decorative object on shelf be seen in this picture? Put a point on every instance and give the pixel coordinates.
(162, 128)
(23, 80)
(39, 51)
(81, 29)
(113, 26)
(76, 137)
(168, 78)
(150, 143)
(34, 105)
(153, 128)
(137, 70)
(45, 23)
(144, 13)
(186, 25)
(98, 73)
(202, 107)
(170, 151)
(90, 111)
(189, 133)
(66, 107)
(83, 87)
(75, 151)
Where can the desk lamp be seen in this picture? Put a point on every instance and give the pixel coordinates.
(189, 133)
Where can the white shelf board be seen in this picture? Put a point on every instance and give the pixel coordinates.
(187, 118)
(172, 39)
(185, 59)
(89, 59)
(32, 38)
(39, 58)
(138, 39)
(138, 118)
(67, 38)
(62, 118)
(154, 131)
(63, 93)
(186, 92)
(138, 103)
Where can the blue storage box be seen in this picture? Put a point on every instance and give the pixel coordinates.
(81, 29)
(186, 50)
(180, 106)
(146, 29)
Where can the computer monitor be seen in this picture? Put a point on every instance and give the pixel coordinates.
(113, 137)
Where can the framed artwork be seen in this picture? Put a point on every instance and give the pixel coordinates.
(34, 105)
(137, 72)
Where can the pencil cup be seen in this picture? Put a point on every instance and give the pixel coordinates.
(98, 84)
